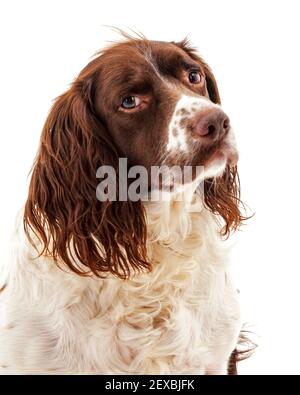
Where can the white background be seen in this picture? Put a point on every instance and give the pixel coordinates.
(253, 48)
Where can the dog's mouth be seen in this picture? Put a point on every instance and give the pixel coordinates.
(216, 155)
(224, 152)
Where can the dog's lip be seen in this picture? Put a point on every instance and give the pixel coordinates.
(227, 152)
(233, 158)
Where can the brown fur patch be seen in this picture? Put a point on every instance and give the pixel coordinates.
(3, 287)
(175, 132)
(183, 122)
(244, 350)
(182, 111)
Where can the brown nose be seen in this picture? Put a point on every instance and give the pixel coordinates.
(213, 123)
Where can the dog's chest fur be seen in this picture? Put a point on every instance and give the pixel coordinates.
(183, 317)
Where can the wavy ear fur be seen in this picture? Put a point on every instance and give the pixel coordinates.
(62, 210)
(222, 194)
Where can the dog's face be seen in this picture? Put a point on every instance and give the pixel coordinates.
(160, 103)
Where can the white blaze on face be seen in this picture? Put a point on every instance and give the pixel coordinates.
(186, 107)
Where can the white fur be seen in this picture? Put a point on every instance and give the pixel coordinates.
(183, 317)
(190, 104)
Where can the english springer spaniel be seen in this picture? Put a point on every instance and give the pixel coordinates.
(127, 286)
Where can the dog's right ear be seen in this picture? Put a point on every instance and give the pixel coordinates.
(63, 217)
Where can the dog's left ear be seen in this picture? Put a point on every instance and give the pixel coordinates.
(211, 84)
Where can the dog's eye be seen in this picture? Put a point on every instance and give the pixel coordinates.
(194, 77)
(131, 102)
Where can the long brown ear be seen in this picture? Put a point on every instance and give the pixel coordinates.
(62, 209)
(222, 194)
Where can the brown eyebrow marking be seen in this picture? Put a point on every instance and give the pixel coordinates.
(190, 66)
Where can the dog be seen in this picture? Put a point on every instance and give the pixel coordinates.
(127, 286)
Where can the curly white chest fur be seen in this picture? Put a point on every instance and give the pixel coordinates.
(183, 317)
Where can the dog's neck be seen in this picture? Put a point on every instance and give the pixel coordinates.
(170, 219)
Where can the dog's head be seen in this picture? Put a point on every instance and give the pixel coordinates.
(160, 102)
(154, 103)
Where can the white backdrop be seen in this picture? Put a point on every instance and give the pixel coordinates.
(253, 49)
